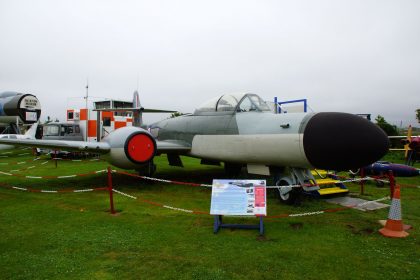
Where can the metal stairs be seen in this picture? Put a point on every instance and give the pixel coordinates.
(328, 184)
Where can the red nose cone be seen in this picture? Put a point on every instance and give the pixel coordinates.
(141, 148)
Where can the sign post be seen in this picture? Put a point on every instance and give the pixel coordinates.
(238, 198)
(111, 197)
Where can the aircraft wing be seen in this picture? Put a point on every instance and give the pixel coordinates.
(92, 147)
(175, 146)
(77, 146)
(144, 110)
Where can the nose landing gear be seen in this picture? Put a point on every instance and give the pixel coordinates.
(287, 193)
(292, 185)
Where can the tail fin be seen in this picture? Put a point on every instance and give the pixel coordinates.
(31, 132)
(136, 100)
(137, 110)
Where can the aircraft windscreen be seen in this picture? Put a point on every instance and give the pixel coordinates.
(253, 102)
(208, 106)
(226, 103)
(229, 102)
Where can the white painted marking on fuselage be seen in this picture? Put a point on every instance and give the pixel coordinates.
(267, 149)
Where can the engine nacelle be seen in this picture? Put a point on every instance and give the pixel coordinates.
(131, 147)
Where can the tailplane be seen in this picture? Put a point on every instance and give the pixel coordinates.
(137, 110)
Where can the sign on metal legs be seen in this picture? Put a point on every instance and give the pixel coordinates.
(238, 198)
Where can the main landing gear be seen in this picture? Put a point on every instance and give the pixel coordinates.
(147, 169)
(287, 193)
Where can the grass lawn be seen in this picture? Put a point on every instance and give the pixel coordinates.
(73, 236)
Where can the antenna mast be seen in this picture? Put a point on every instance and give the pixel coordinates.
(87, 109)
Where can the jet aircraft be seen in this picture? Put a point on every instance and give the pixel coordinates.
(241, 130)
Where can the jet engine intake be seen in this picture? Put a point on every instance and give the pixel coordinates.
(140, 147)
(131, 147)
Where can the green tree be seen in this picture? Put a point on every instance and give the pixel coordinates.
(418, 115)
(390, 130)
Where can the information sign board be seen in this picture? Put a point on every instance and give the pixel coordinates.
(238, 197)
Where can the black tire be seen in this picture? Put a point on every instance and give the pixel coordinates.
(289, 198)
(147, 170)
(380, 184)
(354, 173)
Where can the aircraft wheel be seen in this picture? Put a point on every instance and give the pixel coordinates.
(287, 195)
(380, 184)
(148, 169)
(354, 173)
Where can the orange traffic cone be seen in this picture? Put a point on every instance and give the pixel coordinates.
(394, 226)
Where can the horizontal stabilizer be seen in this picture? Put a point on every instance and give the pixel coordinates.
(143, 110)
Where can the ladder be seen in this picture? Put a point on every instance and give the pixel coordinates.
(328, 184)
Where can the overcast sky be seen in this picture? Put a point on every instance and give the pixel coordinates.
(350, 56)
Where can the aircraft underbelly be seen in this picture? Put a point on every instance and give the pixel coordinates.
(118, 158)
(266, 149)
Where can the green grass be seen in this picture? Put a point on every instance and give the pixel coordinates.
(73, 236)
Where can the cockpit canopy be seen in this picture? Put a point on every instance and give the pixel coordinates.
(243, 102)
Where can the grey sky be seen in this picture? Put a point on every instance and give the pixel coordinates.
(350, 56)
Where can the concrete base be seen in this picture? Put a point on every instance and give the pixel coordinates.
(351, 201)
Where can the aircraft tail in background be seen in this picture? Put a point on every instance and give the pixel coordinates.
(137, 110)
(136, 100)
(31, 132)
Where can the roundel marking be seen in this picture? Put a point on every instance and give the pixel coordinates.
(141, 148)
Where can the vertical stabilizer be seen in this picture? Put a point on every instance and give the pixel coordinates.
(137, 114)
(32, 131)
(136, 100)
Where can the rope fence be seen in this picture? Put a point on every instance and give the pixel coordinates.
(112, 190)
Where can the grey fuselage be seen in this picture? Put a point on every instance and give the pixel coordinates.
(249, 134)
(240, 137)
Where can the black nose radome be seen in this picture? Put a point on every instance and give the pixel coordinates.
(341, 141)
